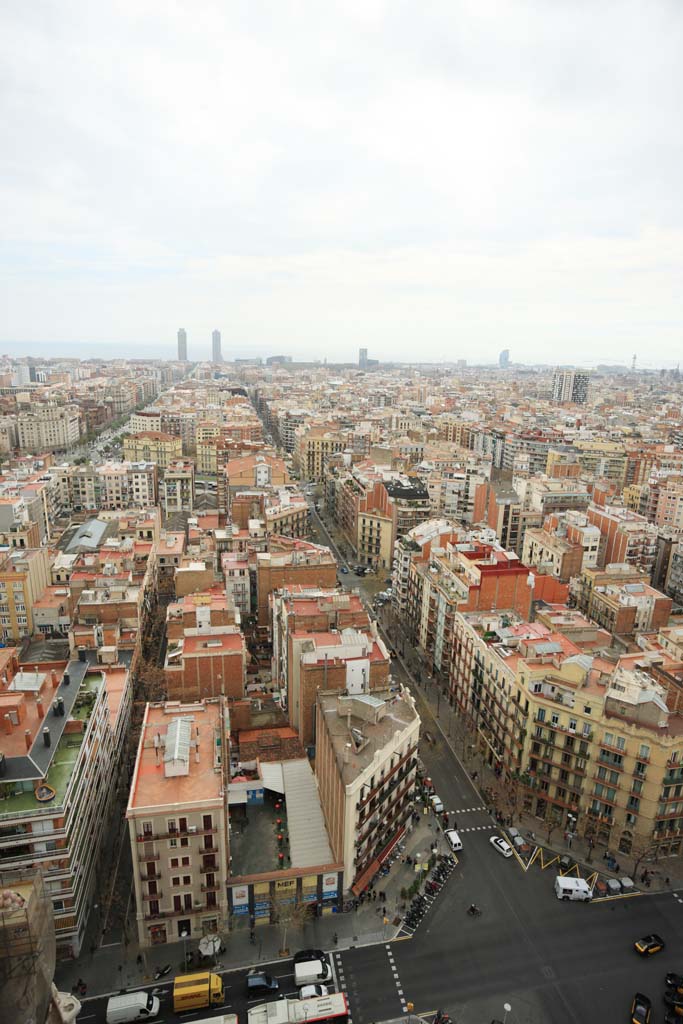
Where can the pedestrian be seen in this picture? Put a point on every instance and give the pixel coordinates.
(384, 911)
(667, 881)
(335, 938)
(374, 896)
(139, 959)
(617, 868)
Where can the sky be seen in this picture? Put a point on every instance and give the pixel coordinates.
(428, 181)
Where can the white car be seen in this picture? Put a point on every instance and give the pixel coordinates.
(454, 840)
(501, 846)
(313, 991)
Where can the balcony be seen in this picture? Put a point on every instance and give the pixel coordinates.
(148, 856)
(158, 915)
(610, 764)
(152, 895)
(214, 887)
(205, 869)
(191, 830)
(154, 877)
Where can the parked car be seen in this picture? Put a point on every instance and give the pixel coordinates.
(310, 954)
(500, 846)
(674, 980)
(313, 991)
(258, 983)
(344, 570)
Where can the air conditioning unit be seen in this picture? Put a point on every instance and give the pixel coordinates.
(192, 828)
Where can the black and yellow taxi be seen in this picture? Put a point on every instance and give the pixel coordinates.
(641, 1009)
(648, 945)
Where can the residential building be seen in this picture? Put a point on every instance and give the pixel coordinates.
(291, 563)
(570, 386)
(628, 536)
(24, 575)
(178, 487)
(620, 598)
(178, 822)
(48, 428)
(366, 758)
(64, 732)
(153, 446)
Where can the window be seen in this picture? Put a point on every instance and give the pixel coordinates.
(173, 843)
(644, 751)
(541, 714)
(171, 823)
(174, 862)
(572, 725)
(187, 880)
(609, 739)
(175, 880)
(586, 729)
(621, 743)
(554, 719)
(186, 862)
(587, 709)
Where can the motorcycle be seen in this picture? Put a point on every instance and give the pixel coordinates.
(474, 911)
(161, 972)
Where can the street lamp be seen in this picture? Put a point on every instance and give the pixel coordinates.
(507, 1009)
(184, 936)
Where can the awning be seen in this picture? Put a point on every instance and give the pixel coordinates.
(389, 847)
(271, 773)
(367, 876)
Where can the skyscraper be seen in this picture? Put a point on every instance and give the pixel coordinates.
(216, 356)
(504, 359)
(570, 386)
(362, 359)
(182, 345)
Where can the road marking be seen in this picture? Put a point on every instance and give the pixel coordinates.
(397, 980)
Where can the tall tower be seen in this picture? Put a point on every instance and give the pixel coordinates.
(182, 345)
(216, 356)
(362, 359)
(504, 359)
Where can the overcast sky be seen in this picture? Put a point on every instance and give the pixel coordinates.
(427, 180)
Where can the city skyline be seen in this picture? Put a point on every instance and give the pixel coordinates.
(457, 188)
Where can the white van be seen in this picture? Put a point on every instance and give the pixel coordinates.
(573, 889)
(132, 1006)
(454, 839)
(311, 972)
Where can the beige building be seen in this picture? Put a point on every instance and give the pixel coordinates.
(366, 757)
(587, 741)
(49, 428)
(177, 819)
(24, 575)
(153, 446)
(312, 447)
(178, 487)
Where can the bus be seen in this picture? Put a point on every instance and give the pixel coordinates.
(332, 1009)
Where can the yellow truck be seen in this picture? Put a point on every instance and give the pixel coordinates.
(197, 991)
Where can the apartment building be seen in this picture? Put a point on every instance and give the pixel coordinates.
(178, 487)
(352, 661)
(570, 386)
(585, 739)
(153, 446)
(628, 536)
(621, 599)
(24, 575)
(312, 447)
(48, 428)
(416, 546)
(552, 554)
(237, 577)
(64, 732)
(310, 611)
(145, 420)
(366, 758)
(128, 485)
(178, 823)
(291, 563)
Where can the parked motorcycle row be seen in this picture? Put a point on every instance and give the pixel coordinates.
(422, 901)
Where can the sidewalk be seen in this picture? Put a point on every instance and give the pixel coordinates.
(111, 968)
(494, 793)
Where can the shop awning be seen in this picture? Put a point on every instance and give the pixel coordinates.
(389, 847)
(367, 876)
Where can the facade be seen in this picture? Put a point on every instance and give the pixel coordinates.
(178, 823)
(153, 446)
(64, 732)
(49, 428)
(178, 487)
(312, 447)
(570, 386)
(24, 575)
(628, 537)
(366, 759)
(216, 354)
(182, 345)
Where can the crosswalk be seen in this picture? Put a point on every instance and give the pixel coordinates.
(477, 828)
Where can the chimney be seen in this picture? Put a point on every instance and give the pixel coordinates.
(53, 679)
(7, 724)
(347, 752)
(55, 708)
(39, 707)
(66, 678)
(46, 737)
(60, 705)
(27, 738)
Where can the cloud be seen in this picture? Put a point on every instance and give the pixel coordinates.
(467, 175)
